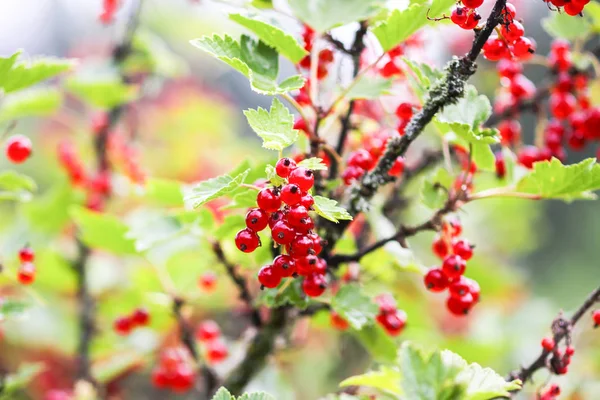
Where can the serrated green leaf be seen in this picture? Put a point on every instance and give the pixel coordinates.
(16, 186)
(400, 25)
(314, 164)
(255, 60)
(439, 7)
(480, 140)
(29, 103)
(473, 109)
(285, 44)
(561, 25)
(197, 194)
(328, 209)
(25, 374)
(275, 127)
(102, 231)
(166, 192)
(322, 15)
(425, 76)
(244, 199)
(223, 394)
(9, 308)
(19, 75)
(434, 192)
(292, 295)
(483, 383)
(354, 306)
(256, 396)
(370, 88)
(272, 176)
(386, 379)
(553, 180)
(377, 343)
(105, 93)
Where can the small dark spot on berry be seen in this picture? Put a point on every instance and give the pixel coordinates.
(286, 162)
(295, 275)
(312, 261)
(280, 235)
(243, 247)
(323, 286)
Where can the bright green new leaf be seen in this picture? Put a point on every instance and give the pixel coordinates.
(561, 25)
(256, 396)
(292, 295)
(197, 194)
(58, 198)
(166, 192)
(102, 231)
(328, 209)
(592, 11)
(439, 7)
(9, 308)
(354, 306)
(272, 176)
(322, 15)
(370, 88)
(434, 192)
(385, 379)
(255, 60)
(480, 140)
(314, 163)
(223, 394)
(105, 93)
(285, 44)
(425, 76)
(30, 103)
(243, 199)
(25, 374)
(275, 127)
(400, 25)
(16, 186)
(377, 342)
(472, 109)
(553, 180)
(19, 75)
(262, 3)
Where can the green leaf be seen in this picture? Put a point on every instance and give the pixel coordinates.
(58, 198)
(439, 7)
(256, 396)
(16, 186)
(272, 176)
(385, 379)
(10, 308)
(223, 394)
(152, 54)
(425, 76)
(19, 75)
(231, 224)
(400, 25)
(322, 15)
(472, 109)
(561, 25)
(480, 140)
(553, 180)
(434, 192)
(197, 194)
(255, 60)
(275, 127)
(28, 103)
(354, 306)
(377, 343)
(108, 369)
(314, 164)
(25, 374)
(166, 192)
(483, 383)
(244, 199)
(102, 231)
(592, 11)
(328, 209)
(370, 88)
(106, 93)
(292, 295)
(285, 44)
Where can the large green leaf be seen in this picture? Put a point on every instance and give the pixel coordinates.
(322, 15)
(102, 231)
(553, 180)
(479, 139)
(354, 306)
(28, 103)
(561, 25)
(255, 60)
(275, 127)
(400, 25)
(377, 342)
(434, 192)
(16, 186)
(197, 194)
(223, 394)
(472, 109)
(328, 209)
(284, 43)
(314, 164)
(386, 379)
(425, 76)
(104, 93)
(19, 75)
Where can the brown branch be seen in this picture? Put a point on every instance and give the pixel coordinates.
(240, 282)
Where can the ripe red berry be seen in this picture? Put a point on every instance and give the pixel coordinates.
(440, 247)
(472, 3)
(301, 246)
(562, 104)
(140, 317)
(282, 233)
(284, 266)
(393, 323)
(123, 325)
(26, 254)
(216, 352)
(274, 218)
(463, 249)
(474, 288)
(495, 49)
(314, 285)
(500, 165)
(351, 174)
(306, 266)
(291, 194)
(460, 305)
(26, 273)
(317, 242)
(268, 200)
(459, 15)
(160, 378)
(268, 277)
(307, 201)
(548, 343)
(257, 219)
(361, 158)
(513, 31)
(398, 167)
(247, 240)
(285, 165)
(208, 281)
(523, 48)
(338, 322)
(390, 69)
(454, 266)
(460, 287)
(596, 318)
(207, 331)
(404, 111)
(302, 177)
(18, 148)
(569, 351)
(435, 280)
(183, 379)
(472, 21)
(509, 68)
(387, 303)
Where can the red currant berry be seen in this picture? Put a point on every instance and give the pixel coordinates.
(513, 31)
(314, 285)
(548, 344)
(284, 266)
(26, 273)
(268, 277)
(282, 233)
(207, 331)
(268, 200)
(463, 249)
(26, 254)
(302, 177)
(301, 246)
(305, 266)
(562, 105)
(351, 174)
(387, 303)
(338, 322)
(454, 266)
(285, 165)
(291, 194)
(160, 378)
(523, 48)
(257, 219)
(596, 318)
(569, 351)
(208, 281)
(397, 168)
(216, 352)
(472, 4)
(123, 325)
(435, 280)
(510, 131)
(459, 16)
(140, 317)
(183, 379)
(474, 288)
(307, 201)
(460, 305)
(390, 69)
(509, 68)
(275, 217)
(440, 247)
(404, 111)
(247, 240)
(362, 159)
(18, 149)
(393, 323)
(495, 49)
(317, 242)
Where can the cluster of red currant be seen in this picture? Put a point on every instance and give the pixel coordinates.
(510, 43)
(455, 252)
(560, 360)
(551, 393)
(571, 7)
(18, 149)
(174, 371)
(466, 15)
(125, 324)
(26, 273)
(109, 9)
(209, 334)
(325, 58)
(390, 317)
(285, 209)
